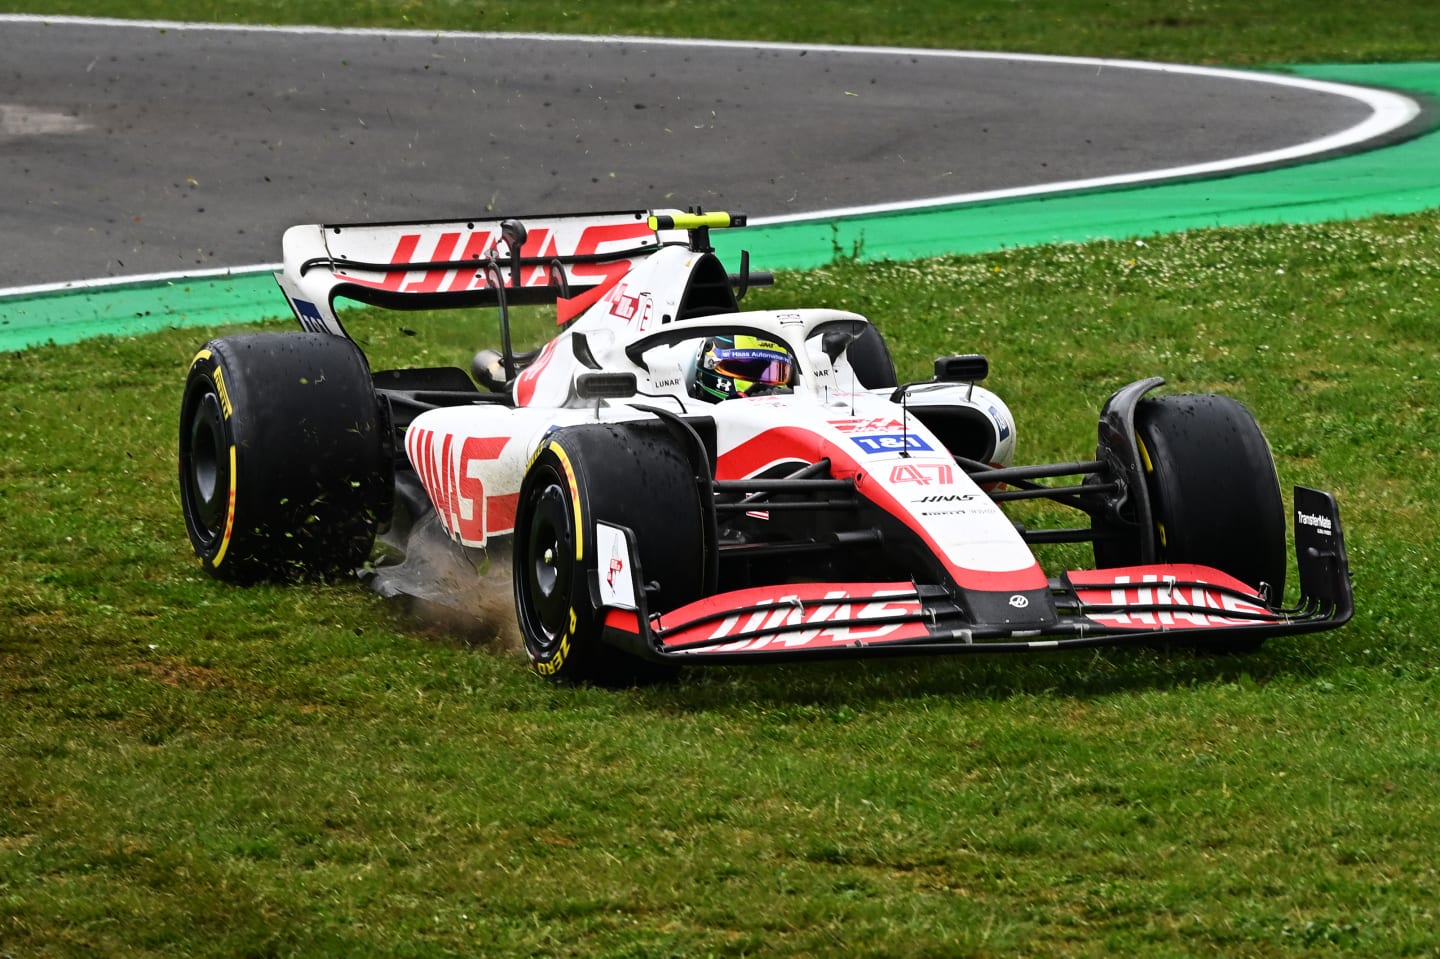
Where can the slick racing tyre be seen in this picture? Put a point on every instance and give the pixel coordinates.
(631, 475)
(1214, 493)
(285, 462)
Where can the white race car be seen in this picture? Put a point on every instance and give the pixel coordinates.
(683, 481)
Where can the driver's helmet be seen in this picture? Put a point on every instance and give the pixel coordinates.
(731, 365)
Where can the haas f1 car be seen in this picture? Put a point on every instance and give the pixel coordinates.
(682, 481)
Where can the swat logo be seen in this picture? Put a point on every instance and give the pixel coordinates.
(890, 443)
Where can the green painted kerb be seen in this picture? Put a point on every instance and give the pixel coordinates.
(69, 316)
(1404, 178)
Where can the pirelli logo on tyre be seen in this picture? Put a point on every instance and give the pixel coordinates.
(222, 391)
(551, 666)
(226, 407)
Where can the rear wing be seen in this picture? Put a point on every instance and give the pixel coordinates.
(567, 259)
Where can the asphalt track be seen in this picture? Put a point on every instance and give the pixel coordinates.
(186, 149)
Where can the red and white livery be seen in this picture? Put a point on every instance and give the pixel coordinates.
(828, 509)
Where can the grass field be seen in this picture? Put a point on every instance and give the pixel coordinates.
(188, 768)
(1231, 32)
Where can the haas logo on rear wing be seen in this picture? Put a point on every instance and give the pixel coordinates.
(459, 263)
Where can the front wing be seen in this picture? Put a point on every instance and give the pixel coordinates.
(1081, 608)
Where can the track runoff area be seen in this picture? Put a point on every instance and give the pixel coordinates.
(1342, 174)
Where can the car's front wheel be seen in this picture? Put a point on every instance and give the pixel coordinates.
(625, 476)
(1214, 494)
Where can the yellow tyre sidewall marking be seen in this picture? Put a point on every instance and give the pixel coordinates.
(1150, 468)
(574, 499)
(229, 515)
(226, 409)
(555, 663)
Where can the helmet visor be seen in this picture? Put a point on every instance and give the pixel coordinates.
(757, 365)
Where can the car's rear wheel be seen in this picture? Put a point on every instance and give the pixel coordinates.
(285, 467)
(628, 476)
(1214, 494)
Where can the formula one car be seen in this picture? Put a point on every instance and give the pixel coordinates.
(681, 481)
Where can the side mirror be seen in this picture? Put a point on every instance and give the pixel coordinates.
(488, 368)
(964, 368)
(596, 386)
(835, 343)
